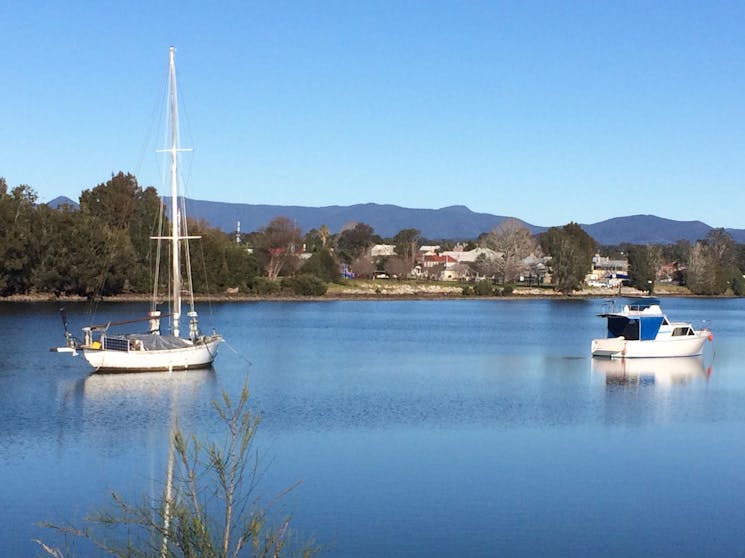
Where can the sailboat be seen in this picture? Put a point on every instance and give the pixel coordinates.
(152, 350)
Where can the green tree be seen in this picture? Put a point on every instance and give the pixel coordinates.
(19, 248)
(571, 250)
(406, 242)
(323, 265)
(278, 244)
(353, 242)
(678, 254)
(316, 239)
(644, 261)
(701, 271)
(131, 215)
(739, 257)
(217, 261)
(76, 253)
(712, 264)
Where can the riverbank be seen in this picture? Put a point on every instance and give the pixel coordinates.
(378, 290)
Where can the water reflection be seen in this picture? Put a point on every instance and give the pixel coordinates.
(116, 410)
(661, 372)
(143, 387)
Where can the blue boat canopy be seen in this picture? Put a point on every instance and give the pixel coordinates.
(642, 328)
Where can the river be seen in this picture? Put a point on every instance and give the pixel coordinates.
(414, 428)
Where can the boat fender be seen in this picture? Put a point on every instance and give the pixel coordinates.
(710, 337)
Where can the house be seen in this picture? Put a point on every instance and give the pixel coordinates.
(382, 250)
(471, 256)
(607, 272)
(428, 250)
(457, 272)
(535, 270)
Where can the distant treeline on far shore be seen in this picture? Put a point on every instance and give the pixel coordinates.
(104, 248)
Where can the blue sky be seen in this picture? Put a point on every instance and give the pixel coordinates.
(547, 111)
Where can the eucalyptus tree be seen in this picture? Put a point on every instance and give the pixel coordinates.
(406, 242)
(323, 265)
(219, 263)
(279, 243)
(644, 262)
(19, 249)
(77, 257)
(571, 250)
(131, 215)
(354, 241)
(712, 264)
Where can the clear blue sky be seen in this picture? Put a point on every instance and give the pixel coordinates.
(546, 111)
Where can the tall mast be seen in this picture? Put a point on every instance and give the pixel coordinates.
(175, 217)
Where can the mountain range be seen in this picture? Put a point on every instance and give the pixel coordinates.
(455, 222)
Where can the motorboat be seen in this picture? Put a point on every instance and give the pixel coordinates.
(640, 329)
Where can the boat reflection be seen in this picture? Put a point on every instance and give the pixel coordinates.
(144, 386)
(115, 399)
(651, 371)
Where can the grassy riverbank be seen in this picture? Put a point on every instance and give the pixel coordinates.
(381, 289)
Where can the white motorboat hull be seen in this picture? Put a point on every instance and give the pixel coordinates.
(199, 355)
(681, 346)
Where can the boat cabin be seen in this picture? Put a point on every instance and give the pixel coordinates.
(642, 328)
(639, 321)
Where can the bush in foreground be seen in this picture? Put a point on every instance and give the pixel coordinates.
(208, 507)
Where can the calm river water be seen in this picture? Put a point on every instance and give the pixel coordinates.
(417, 428)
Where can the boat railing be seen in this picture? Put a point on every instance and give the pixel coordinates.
(608, 307)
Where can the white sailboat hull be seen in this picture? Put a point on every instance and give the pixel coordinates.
(618, 347)
(197, 355)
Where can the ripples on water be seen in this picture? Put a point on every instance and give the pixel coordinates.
(418, 428)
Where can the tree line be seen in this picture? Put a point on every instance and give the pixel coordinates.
(104, 247)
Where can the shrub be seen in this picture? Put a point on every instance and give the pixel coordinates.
(483, 288)
(178, 523)
(305, 285)
(467, 291)
(507, 291)
(323, 265)
(264, 286)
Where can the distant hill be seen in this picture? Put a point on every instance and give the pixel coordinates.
(649, 229)
(455, 222)
(62, 200)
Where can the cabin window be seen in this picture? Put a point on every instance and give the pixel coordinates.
(620, 325)
(631, 331)
(679, 331)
